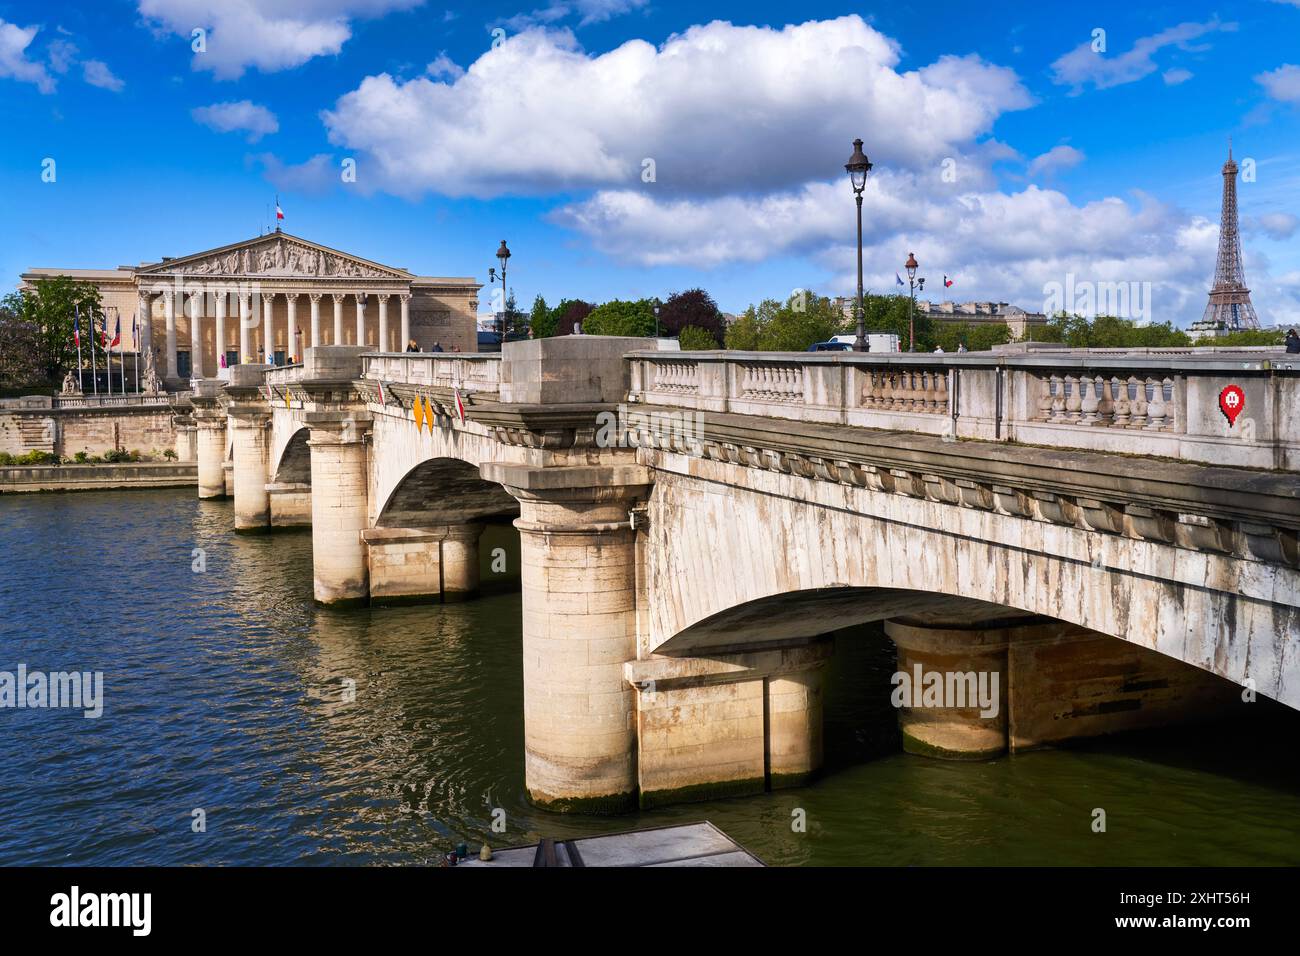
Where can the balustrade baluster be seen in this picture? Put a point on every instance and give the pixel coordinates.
(1122, 406)
(1058, 399)
(1089, 402)
(1044, 399)
(1139, 402)
(1073, 401)
(1156, 408)
(1106, 404)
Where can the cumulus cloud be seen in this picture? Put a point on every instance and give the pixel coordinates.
(268, 35)
(237, 116)
(14, 64)
(999, 246)
(97, 73)
(717, 108)
(1082, 66)
(1176, 76)
(1282, 84)
(1054, 160)
(587, 11)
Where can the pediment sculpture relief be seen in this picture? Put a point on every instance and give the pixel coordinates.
(280, 258)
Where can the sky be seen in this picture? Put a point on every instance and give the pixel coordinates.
(630, 148)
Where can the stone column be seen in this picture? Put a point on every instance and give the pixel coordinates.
(794, 714)
(315, 318)
(196, 310)
(361, 317)
(339, 506)
(211, 452)
(578, 561)
(292, 351)
(409, 565)
(251, 422)
(169, 306)
(406, 322)
(338, 318)
(941, 672)
(144, 327)
(245, 328)
(383, 323)
(220, 310)
(268, 328)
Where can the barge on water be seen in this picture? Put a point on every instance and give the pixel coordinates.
(691, 844)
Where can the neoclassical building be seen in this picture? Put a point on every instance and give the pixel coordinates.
(276, 295)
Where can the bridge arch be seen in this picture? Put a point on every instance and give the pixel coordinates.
(442, 491)
(293, 464)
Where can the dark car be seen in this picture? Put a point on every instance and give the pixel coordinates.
(831, 346)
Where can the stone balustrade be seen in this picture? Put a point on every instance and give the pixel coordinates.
(466, 371)
(1147, 402)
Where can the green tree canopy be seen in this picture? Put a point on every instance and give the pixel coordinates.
(539, 320)
(621, 317)
(1108, 332)
(694, 308)
(46, 310)
(789, 326)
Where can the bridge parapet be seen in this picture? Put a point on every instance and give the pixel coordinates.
(1148, 402)
(466, 372)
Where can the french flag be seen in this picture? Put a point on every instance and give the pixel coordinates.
(279, 213)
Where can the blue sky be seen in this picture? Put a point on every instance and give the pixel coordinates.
(1009, 153)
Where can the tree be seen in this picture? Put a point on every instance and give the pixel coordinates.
(694, 308)
(792, 326)
(888, 313)
(566, 315)
(1109, 332)
(1247, 337)
(977, 338)
(19, 355)
(539, 320)
(692, 339)
(513, 321)
(47, 310)
(621, 317)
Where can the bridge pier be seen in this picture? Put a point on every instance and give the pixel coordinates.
(408, 565)
(578, 571)
(210, 450)
(729, 724)
(252, 453)
(1055, 682)
(290, 503)
(339, 506)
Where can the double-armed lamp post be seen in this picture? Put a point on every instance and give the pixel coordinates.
(502, 255)
(914, 283)
(858, 166)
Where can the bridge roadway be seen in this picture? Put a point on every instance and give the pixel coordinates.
(1088, 526)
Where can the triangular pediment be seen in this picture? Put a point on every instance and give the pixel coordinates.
(276, 255)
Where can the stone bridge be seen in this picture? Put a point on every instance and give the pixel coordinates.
(1089, 526)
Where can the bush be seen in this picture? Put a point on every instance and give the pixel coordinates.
(169, 454)
(693, 339)
(36, 458)
(81, 458)
(118, 455)
(6, 459)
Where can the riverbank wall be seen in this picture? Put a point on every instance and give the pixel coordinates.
(28, 478)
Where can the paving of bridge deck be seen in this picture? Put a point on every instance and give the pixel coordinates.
(693, 844)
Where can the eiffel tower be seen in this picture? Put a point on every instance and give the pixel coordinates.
(1229, 308)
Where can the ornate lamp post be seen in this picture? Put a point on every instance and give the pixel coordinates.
(914, 283)
(858, 166)
(502, 255)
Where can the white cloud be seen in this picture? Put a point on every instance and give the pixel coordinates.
(444, 65)
(1055, 159)
(1282, 84)
(587, 11)
(719, 108)
(268, 35)
(1275, 225)
(237, 116)
(998, 246)
(14, 41)
(1176, 76)
(62, 54)
(97, 73)
(1081, 66)
(315, 176)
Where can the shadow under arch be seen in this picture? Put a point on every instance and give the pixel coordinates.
(294, 466)
(441, 491)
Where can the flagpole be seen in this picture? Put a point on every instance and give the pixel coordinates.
(94, 370)
(76, 334)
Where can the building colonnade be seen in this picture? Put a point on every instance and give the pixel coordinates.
(264, 326)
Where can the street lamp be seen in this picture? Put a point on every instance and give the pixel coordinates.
(502, 255)
(656, 321)
(914, 283)
(858, 166)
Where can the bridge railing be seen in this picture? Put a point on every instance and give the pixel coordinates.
(1147, 402)
(285, 374)
(469, 372)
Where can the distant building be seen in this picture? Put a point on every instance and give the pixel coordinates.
(967, 313)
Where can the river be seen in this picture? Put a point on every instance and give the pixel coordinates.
(225, 703)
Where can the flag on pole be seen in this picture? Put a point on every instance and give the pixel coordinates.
(76, 325)
(381, 394)
(899, 278)
(279, 213)
(417, 409)
(947, 283)
(117, 332)
(460, 405)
